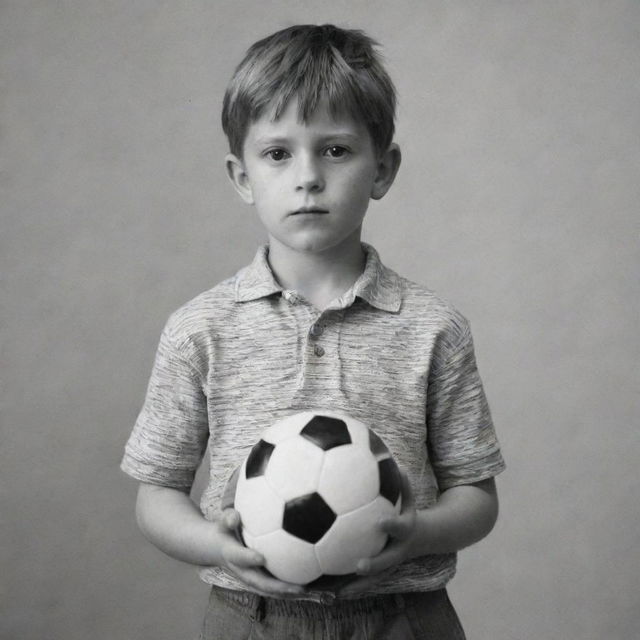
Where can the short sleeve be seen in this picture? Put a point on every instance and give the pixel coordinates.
(170, 435)
(461, 438)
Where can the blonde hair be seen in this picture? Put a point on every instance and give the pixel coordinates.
(311, 63)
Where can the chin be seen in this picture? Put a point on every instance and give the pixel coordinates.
(309, 244)
(315, 243)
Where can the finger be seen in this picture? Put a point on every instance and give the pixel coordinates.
(265, 585)
(357, 587)
(231, 519)
(399, 528)
(240, 556)
(388, 558)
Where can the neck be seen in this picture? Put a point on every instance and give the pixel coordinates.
(318, 276)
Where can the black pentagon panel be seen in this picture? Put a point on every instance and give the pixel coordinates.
(326, 432)
(390, 481)
(308, 517)
(259, 458)
(377, 446)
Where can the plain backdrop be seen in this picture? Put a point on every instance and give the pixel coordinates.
(517, 200)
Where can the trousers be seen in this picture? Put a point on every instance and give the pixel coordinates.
(238, 615)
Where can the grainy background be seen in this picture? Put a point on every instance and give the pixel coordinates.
(517, 199)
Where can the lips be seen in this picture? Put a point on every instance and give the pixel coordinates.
(303, 210)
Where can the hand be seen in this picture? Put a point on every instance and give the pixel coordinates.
(401, 530)
(245, 563)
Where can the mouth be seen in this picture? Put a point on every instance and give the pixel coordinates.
(308, 210)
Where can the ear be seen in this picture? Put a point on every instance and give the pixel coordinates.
(237, 173)
(388, 165)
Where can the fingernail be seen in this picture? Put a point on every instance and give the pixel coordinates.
(363, 566)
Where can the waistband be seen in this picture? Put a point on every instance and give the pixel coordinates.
(257, 607)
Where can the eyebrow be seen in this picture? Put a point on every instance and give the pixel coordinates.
(340, 135)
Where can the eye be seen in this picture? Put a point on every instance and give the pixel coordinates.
(277, 155)
(336, 151)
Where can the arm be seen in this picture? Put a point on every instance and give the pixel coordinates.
(173, 523)
(167, 444)
(462, 516)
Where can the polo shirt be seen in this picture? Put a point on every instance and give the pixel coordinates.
(246, 353)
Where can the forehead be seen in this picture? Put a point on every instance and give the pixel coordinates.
(324, 120)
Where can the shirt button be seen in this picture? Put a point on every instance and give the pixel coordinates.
(318, 350)
(316, 330)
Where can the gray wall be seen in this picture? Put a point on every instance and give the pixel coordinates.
(517, 199)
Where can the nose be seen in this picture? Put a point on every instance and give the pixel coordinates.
(309, 175)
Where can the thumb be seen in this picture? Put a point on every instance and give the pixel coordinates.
(231, 519)
(399, 527)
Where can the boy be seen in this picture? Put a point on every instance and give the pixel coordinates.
(317, 321)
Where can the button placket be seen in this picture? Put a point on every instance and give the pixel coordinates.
(316, 330)
(320, 365)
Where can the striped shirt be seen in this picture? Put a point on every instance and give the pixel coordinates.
(246, 353)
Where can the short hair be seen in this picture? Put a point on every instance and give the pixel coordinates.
(311, 62)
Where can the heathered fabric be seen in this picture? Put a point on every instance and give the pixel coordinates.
(388, 352)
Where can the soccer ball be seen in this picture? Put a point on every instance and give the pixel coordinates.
(310, 494)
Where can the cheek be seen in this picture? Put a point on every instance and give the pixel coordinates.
(266, 190)
(358, 189)
(361, 181)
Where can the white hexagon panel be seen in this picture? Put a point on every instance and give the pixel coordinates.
(260, 507)
(286, 428)
(349, 478)
(287, 557)
(294, 467)
(354, 536)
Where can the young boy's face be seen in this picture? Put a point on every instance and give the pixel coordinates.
(311, 182)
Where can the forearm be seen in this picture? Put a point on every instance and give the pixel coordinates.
(462, 516)
(172, 522)
(169, 519)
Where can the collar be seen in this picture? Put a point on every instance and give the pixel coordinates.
(378, 285)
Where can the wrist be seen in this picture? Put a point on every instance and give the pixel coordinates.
(171, 521)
